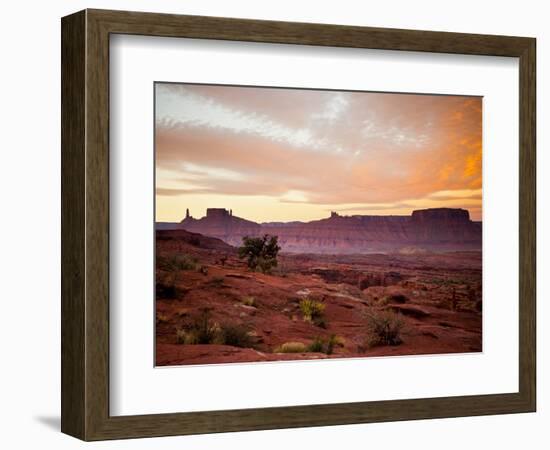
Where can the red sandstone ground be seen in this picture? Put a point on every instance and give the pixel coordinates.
(437, 295)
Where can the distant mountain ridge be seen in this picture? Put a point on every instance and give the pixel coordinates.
(434, 229)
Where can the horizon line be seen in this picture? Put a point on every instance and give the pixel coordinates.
(229, 211)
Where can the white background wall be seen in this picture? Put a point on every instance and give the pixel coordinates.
(30, 225)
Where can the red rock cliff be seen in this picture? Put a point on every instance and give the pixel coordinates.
(439, 229)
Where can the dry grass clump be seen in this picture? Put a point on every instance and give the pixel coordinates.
(313, 312)
(291, 347)
(237, 335)
(248, 301)
(162, 318)
(201, 329)
(175, 262)
(166, 286)
(383, 328)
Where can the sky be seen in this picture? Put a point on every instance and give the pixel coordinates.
(273, 154)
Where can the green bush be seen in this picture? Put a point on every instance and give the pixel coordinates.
(317, 346)
(384, 328)
(320, 345)
(260, 253)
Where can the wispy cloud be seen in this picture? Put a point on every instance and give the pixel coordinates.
(317, 147)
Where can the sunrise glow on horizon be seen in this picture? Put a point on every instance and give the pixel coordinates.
(273, 154)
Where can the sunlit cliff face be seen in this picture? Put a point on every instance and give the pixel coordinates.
(289, 154)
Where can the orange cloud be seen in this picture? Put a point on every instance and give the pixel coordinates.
(323, 148)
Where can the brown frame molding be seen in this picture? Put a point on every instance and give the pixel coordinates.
(85, 224)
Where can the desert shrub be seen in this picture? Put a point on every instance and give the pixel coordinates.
(446, 282)
(281, 270)
(291, 347)
(320, 322)
(236, 335)
(383, 328)
(180, 336)
(248, 301)
(188, 337)
(162, 318)
(165, 291)
(260, 252)
(313, 312)
(201, 329)
(177, 262)
(332, 342)
(166, 286)
(319, 345)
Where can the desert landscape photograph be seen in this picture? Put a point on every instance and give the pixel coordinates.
(305, 224)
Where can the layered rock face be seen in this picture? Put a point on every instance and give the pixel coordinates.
(439, 229)
(221, 224)
(444, 226)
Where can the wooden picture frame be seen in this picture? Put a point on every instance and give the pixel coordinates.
(85, 224)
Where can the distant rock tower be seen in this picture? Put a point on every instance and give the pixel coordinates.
(187, 213)
(217, 213)
(231, 212)
(334, 214)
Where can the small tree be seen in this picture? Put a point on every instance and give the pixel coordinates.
(260, 252)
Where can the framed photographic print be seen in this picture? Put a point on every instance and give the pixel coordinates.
(266, 224)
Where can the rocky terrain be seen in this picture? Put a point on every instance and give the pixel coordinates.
(438, 229)
(210, 308)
